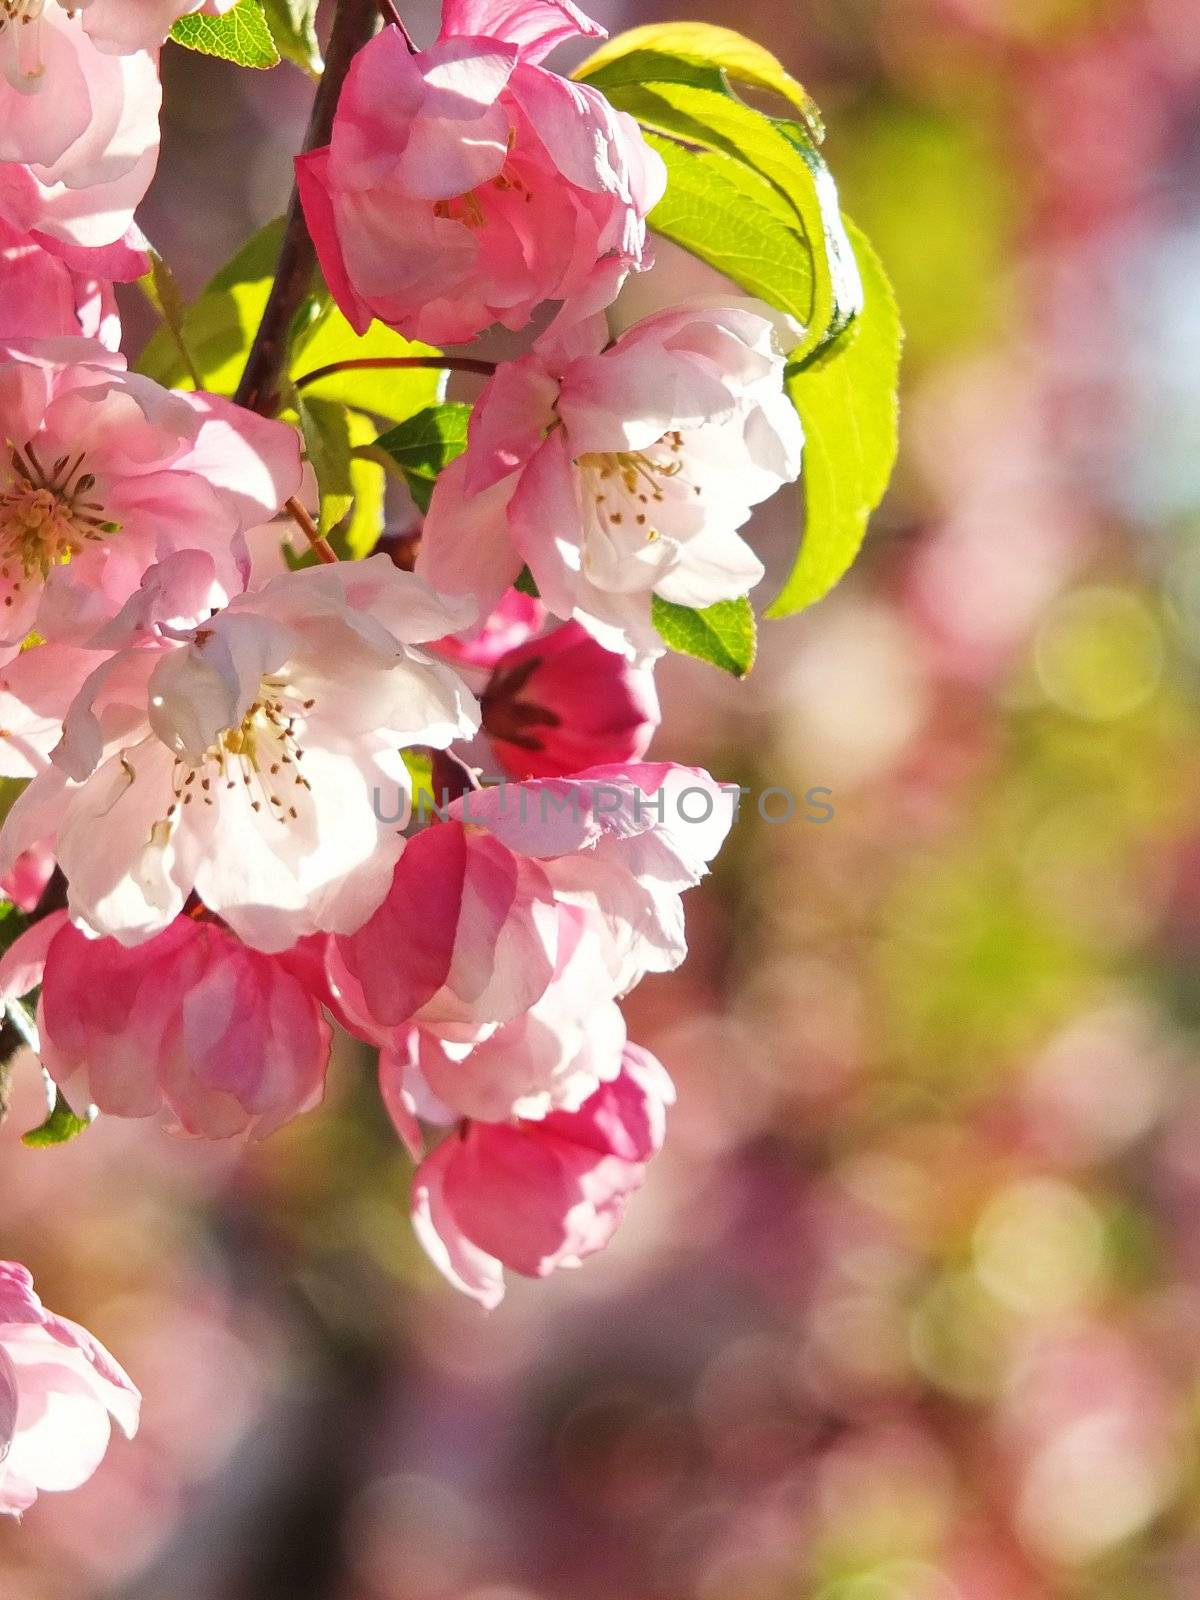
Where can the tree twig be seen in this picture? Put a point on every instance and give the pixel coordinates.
(364, 363)
(354, 22)
(311, 532)
(389, 11)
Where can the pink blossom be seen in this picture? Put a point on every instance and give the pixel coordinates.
(78, 128)
(243, 756)
(107, 472)
(25, 884)
(551, 1057)
(49, 290)
(621, 843)
(467, 185)
(488, 945)
(563, 702)
(533, 1196)
(59, 1388)
(619, 472)
(230, 1040)
(516, 618)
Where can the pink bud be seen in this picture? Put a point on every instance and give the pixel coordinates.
(563, 702)
(533, 1196)
(517, 618)
(230, 1040)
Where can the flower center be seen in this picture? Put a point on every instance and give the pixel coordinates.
(263, 753)
(46, 517)
(628, 488)
(468, 208)
(15, 19)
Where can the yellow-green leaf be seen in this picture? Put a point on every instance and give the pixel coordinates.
(741, 59)
(724, 634)
(846, 399)
(241, 35)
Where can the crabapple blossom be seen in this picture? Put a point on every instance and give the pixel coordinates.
(49, 290)
(230, 1040)
(60, 1391)
(489, 936)
(562, 702)
(533, 1196)
(466, 185)
(617, 471)
(26, 882)
(241, 757)
(106, 472)
(514, 620)
(78, 126)
(550, 1056)
(486, 886)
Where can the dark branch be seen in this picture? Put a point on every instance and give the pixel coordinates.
(368, 363)
(354, 22)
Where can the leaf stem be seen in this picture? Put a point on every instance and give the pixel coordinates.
(311, 532)
(365, 363)
(354, 22)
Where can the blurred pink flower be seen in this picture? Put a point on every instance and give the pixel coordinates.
(533, 1196)
(563, 702)
(59, 1388)
(466, 185)
(231, 1040)
(619, 472)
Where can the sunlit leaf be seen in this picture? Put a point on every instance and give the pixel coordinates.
(724, 634)
(240, 35)
(847, 402)
(704, 44)
(426, 443)
(61, 1125)
(293, 27)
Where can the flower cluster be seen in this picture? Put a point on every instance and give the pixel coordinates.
(201, 741)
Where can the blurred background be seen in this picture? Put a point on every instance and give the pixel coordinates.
(910, 1307)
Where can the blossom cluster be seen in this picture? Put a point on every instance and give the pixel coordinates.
(200, 732)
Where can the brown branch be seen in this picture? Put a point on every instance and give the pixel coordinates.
(365, 363)
(389, 12)
(354, 22)
(311, 532)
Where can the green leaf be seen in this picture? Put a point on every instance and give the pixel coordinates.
(525, 583)
(782, 154)
(847, 402)
(160, 287)
(702, 43)
(426, 443)
(325, 425)
(391, 393)
(219, 326)
(725, 634)
(240, 35)
(293, 28)
(727, 214)
(60, 1125)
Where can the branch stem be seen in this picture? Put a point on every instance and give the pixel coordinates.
(354, 22)
(390, 13)
(311, 532)
(367, 363)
